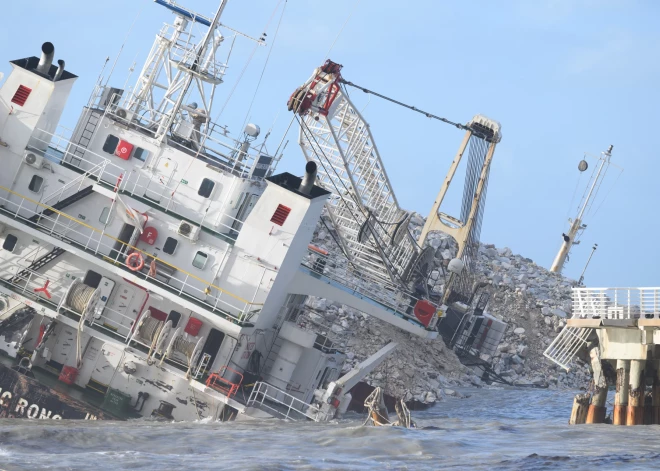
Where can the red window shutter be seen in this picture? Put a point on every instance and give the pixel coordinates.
(21, 95)
(280, 214)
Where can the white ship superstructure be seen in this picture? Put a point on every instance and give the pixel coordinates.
(164, 263)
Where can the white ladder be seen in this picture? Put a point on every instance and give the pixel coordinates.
(201, 367)
(566, 345)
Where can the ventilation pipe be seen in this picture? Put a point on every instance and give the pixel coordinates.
(60, 70)
(47, 54)
(308, 180)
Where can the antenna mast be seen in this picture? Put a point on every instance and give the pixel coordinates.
(576, 224)
(179, 73)
(593, 249)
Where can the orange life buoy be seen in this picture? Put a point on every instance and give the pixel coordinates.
(134, 261)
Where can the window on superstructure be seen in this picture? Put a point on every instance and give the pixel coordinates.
(36, 183)
(140, 154)
(10, 243)
(200, 260)
(105, 215)
(206, 188)
(170, 245)
(110, 145)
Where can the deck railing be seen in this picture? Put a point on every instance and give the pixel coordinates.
(136, 183)
(616, 303)
(97, 242)
(336, 268)
(281, 404)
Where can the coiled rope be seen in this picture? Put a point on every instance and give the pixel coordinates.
(184, 347)
(79, 297)
(149, 329)
(149, 332)
(78, 300)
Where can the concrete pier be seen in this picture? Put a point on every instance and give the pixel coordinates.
(621, 396)
(619, 331)
(635, 414)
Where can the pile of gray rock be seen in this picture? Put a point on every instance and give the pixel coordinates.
(532, 301)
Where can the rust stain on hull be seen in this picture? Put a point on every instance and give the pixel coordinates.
(24, 397)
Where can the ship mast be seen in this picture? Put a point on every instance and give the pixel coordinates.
(190, 72)
(176, 88)
(576, 224)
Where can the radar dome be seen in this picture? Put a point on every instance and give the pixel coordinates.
(252, 130)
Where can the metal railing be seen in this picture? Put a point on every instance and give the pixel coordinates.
(566, 345)
(211, 142)
(616, 303)
(136, 184)
(281, 404)
(338, 269)
(109, 319)
(97, 242)
(314, 321)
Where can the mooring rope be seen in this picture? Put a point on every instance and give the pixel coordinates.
(149, 329)
(185, 347)
(79, 297)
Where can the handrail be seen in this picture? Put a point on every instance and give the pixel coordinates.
(78, 179)
(261, 388)
(389, 296)
(151, 256)
(616, 303)
(128, 181)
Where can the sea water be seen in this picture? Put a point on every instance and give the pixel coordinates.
(492, 429)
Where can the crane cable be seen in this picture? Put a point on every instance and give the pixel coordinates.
(410, 107)
(308, 133)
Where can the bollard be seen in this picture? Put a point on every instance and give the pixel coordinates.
(580, 409)
(635, 413)
(621, 396)
(597, 410)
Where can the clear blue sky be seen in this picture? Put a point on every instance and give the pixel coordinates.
(562, 76)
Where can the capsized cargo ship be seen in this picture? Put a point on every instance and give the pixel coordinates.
(151, 265)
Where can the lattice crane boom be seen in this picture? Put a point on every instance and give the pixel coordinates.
(371, 225)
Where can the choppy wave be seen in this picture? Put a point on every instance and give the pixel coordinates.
(492, 430)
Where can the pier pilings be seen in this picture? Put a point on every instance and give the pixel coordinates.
(636, 396)
(621, 394)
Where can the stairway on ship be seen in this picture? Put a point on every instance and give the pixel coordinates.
(69, 200)
(37, 264)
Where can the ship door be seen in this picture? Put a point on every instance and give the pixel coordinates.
(212, 345)
(246, 206)
(158, 186)
(106, 365)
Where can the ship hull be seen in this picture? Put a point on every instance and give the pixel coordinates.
(25, 397)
